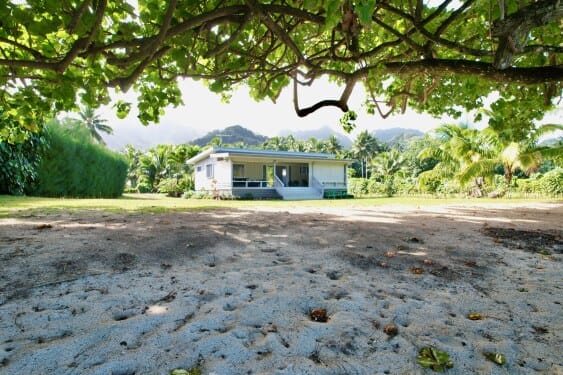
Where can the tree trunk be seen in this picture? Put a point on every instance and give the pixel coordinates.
(508, 174)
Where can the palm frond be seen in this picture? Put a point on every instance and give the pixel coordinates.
(105, 128)
(479, 168)
(528, 161)
(555, 153)
(546, 129)
(430, 153)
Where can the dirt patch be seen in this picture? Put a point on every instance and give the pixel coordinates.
(116, 293)
(527, 240)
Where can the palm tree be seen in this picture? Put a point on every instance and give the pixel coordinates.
(460, 146)
(94, 123)
(155, 166)
(313, 145)
(275, 143)
(388, 163)
(524, 155)
(133, 157)
(364, 147)
(332, 145)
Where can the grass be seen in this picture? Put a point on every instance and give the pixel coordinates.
(157, 203)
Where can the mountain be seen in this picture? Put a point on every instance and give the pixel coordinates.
(321, 134)
(145, 137)
(392, 136)
(232, 135)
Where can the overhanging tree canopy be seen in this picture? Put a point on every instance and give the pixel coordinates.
(436, 56)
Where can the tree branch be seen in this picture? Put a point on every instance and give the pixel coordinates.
(485, 70)
(341, 103)
(276, 29)
(513, 30)
(77, 16)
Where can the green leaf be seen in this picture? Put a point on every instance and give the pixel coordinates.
(333, 16)
(123, 109)
(430, 357)
(364, 10)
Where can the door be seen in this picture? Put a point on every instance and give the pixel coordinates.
(282, 173)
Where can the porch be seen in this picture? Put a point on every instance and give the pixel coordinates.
(288, 180)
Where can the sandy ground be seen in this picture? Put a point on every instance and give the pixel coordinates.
(231, 291)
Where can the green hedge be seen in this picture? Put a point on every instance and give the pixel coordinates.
(73, 166)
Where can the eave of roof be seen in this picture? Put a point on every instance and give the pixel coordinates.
(265, 153)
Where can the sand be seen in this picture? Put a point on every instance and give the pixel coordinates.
(230, 291)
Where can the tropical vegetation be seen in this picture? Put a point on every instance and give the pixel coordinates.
(69, 158)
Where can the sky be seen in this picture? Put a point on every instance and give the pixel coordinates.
(203, 111)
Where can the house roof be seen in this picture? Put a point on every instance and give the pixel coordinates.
(228, 152)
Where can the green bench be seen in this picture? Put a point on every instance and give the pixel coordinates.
(335, 194)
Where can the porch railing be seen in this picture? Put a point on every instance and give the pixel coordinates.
(278, 184)
(250, 184)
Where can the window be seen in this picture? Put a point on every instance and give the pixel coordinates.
(304, 169)
(198, 169)
(209, 170)
(238, 170)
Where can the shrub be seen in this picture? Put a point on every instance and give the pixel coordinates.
(73, 166)
(144, 188)
(552, 182)
(188, 194)
(358, 186)
(170, 186)
(226, 195)
(202, 194)
(175, 187)
(19, 162)
(448, 187)
(429, 183)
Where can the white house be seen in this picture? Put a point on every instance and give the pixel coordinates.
(269, 174)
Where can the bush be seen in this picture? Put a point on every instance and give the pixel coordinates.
(406, 185)
(428, 183)
(358, 186)
(448, 187)
(202, 194)
(188, 194)
(552, 182)
(170, 186)
(19, 163)
(73, 166)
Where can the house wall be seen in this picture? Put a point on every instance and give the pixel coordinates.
(261, 193)
(222, 173)
(329, 172)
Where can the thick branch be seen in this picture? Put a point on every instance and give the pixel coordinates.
(514, 29)
(83, 43)
(476, 68)
(341, 103)
(77, 16)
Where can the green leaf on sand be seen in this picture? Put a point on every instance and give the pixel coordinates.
(430, 357)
